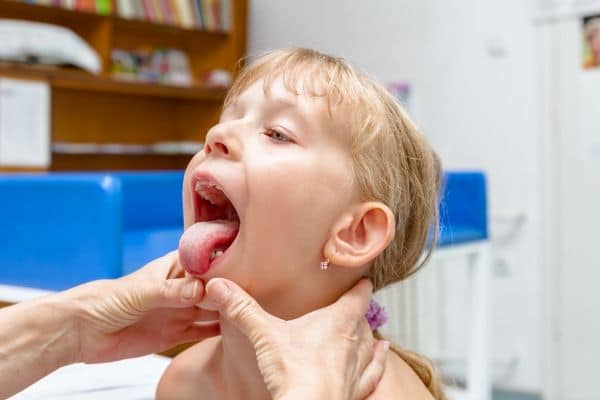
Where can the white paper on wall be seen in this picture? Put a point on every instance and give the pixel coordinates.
(590, 113)
(24, 123)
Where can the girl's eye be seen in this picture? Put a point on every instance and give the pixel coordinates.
(277, 135)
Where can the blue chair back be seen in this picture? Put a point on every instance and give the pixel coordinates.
(463, 208)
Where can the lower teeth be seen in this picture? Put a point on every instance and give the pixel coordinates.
(216, 254)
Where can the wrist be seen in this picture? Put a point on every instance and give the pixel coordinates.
(59, 321)
(36, 338)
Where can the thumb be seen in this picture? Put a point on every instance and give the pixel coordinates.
(238, 307)
(170, 293)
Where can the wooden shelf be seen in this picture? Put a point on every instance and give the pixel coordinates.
(154, 27)
(88, 108)
(73, 79)
(165, 148)
(88, 162)
(53, 12)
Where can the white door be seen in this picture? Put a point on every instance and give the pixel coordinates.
(571, 201)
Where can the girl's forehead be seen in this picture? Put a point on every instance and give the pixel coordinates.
(276, 93)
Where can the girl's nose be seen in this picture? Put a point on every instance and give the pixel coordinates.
(222, 142)
(217, 146)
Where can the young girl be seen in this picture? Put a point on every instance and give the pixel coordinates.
(313, 178)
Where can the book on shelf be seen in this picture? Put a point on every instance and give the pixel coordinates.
(211, 15)
(103, 7)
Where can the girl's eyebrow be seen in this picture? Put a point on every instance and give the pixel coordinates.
(285, 104)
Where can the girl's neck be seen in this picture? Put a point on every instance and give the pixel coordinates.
(238, 362)
(241, 376)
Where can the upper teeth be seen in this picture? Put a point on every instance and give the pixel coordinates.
(201, 190)
(202, 185)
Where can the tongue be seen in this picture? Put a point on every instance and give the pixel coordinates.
(200, 240)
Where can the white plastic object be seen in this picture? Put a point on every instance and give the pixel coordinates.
(48, 44)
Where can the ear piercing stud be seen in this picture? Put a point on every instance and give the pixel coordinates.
(328, 260)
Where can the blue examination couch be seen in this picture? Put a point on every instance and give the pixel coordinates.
(61, 229)
(58, 230)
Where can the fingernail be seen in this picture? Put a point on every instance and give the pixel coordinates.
(218, 291)
(189, 290)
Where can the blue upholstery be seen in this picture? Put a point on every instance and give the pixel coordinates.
(61, 229)
(153, 215)
(463, 208)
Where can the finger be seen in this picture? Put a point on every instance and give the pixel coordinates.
(366, 343)
(237, 306)
(170, 293)
(206, 315)
(355, 302)
(374, 371)
(176, 270)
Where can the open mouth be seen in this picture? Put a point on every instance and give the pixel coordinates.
(210, 203)
(216, 226)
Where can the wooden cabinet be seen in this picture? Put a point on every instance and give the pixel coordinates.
(87, 108)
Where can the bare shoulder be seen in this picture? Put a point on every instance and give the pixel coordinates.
(400, 382)
(190, 372)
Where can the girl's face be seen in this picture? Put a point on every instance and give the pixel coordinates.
(280, 163)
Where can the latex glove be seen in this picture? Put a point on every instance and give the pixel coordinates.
(329, 353)
(145, 312)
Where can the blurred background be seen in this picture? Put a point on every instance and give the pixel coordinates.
(505, 90)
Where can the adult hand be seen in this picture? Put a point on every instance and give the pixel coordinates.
(329, 353)
(147, 311)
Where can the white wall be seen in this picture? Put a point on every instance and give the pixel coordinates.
(472, 67)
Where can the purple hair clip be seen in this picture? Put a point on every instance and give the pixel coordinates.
(376, 315)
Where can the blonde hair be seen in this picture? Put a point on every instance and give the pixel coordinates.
(392, 161)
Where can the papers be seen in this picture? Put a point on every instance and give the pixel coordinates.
(24, 123)
(179, 147)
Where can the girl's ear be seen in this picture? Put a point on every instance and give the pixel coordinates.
(360, 235)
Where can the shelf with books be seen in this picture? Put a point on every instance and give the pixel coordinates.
(43, 11)
(183, 15)
(105, 109)
(209, 15)
(160, 28)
